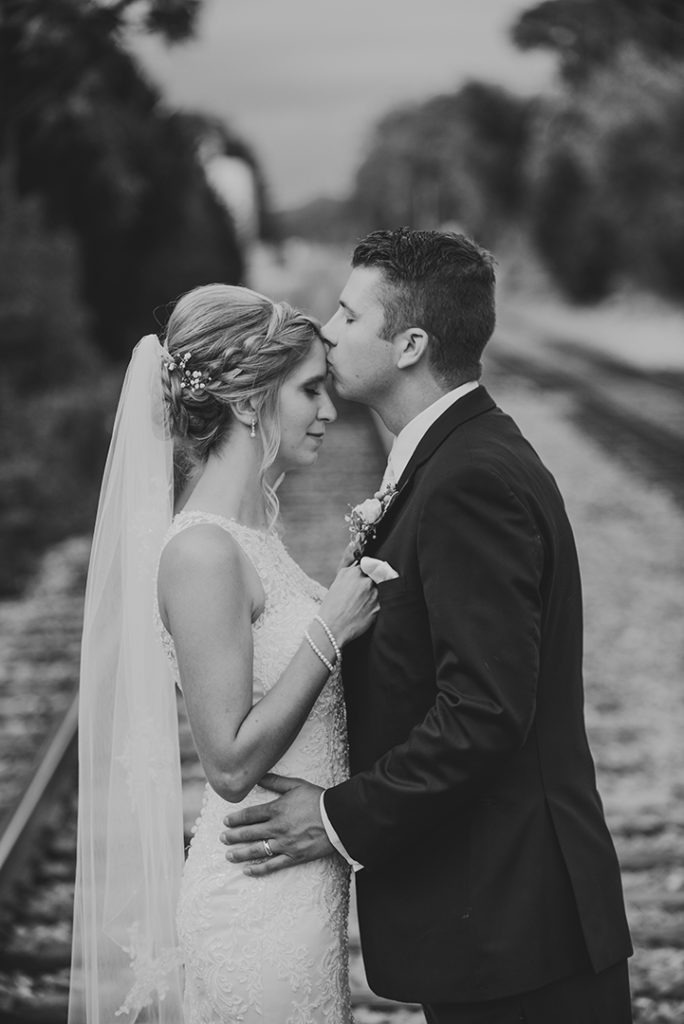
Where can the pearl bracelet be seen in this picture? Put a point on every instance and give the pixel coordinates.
(319, 653)
(333, 642)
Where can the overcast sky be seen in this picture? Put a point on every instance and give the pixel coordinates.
(303, 81)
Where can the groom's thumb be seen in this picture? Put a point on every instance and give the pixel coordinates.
(279, 783)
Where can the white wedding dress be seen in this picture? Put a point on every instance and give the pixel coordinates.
(271, 950)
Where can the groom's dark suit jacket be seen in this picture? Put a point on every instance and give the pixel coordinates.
(488, 867)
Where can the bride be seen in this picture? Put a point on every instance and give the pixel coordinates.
(209, 599)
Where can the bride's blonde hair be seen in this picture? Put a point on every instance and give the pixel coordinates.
(242, 346)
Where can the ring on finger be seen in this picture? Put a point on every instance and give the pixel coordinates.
(268, 852)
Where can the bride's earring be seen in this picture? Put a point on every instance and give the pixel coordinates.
(252, 427)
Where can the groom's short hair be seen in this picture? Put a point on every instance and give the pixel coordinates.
(441, 282)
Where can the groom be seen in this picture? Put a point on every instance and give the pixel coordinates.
(487, 883)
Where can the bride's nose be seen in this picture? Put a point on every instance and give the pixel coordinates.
(327, 411)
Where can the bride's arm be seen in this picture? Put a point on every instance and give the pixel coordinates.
(209, 593)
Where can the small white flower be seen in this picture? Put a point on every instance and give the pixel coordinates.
(370, 510)
(365, 517)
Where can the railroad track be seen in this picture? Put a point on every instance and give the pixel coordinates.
(637, 416)
(36, 808)
(38, 713)
(639, 420)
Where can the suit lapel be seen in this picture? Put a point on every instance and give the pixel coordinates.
(473, 404)
(467, 408)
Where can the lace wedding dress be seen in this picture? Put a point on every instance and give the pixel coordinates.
(271, 950)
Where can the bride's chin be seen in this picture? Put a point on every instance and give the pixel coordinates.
(301, 461)
(308, 459)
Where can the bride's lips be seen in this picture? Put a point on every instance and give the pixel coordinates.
(316, 437)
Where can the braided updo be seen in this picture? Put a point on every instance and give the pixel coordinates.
(242, 346)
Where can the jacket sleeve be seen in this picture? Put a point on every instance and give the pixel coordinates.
(480, 562)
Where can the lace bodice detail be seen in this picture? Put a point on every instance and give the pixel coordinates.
(250, 945)
(291, 600)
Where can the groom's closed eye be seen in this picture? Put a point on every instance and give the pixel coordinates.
(349, 314)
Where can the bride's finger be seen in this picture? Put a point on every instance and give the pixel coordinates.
(348, 557)
(268, 867)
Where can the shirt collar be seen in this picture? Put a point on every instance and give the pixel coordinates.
(408, 439)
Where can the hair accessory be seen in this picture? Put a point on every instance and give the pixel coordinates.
(328, 664)
(252, 427)
(192, 380)
(328, 632)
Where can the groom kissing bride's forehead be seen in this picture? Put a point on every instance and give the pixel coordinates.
(487, 882)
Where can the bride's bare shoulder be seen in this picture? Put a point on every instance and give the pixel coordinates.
(204, 570)
(202, 550)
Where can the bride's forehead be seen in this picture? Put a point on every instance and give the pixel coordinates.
(314, 362)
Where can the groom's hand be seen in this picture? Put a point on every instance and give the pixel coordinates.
(291, 825)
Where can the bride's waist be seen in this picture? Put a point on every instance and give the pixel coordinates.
(214, 805)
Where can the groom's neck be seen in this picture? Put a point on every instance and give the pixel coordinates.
(406, 402)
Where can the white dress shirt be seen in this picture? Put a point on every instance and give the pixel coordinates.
(405, 444)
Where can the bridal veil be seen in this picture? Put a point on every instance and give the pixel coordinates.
(130, 827)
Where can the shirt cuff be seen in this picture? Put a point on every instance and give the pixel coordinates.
(334, 838)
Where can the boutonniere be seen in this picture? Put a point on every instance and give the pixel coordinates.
(365, 517)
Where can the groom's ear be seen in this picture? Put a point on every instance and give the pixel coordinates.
(411, 345)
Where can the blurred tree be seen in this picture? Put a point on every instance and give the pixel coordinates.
(56, 394)
(85, 130)
(607, 170)
(175, 20)
(571, 229)
(324, 219)
(606, 164)
(457, 158)
(586, 34)
(105, 214)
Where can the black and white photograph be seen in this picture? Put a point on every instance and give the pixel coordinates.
(341, 512)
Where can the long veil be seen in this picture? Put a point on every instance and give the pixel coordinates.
(130, 828)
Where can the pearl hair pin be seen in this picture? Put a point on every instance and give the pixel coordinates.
(192, 380)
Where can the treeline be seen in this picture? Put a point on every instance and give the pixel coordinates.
(106, 215)
(592, 174)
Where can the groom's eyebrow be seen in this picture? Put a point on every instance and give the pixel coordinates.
(348, 308)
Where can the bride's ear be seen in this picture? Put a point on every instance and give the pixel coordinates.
(244, 412)
(411, 344)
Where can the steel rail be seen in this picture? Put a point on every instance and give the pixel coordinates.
(36, 805)
(652, 443)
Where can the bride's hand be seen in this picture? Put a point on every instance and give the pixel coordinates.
(351, 604)
(347, 557)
